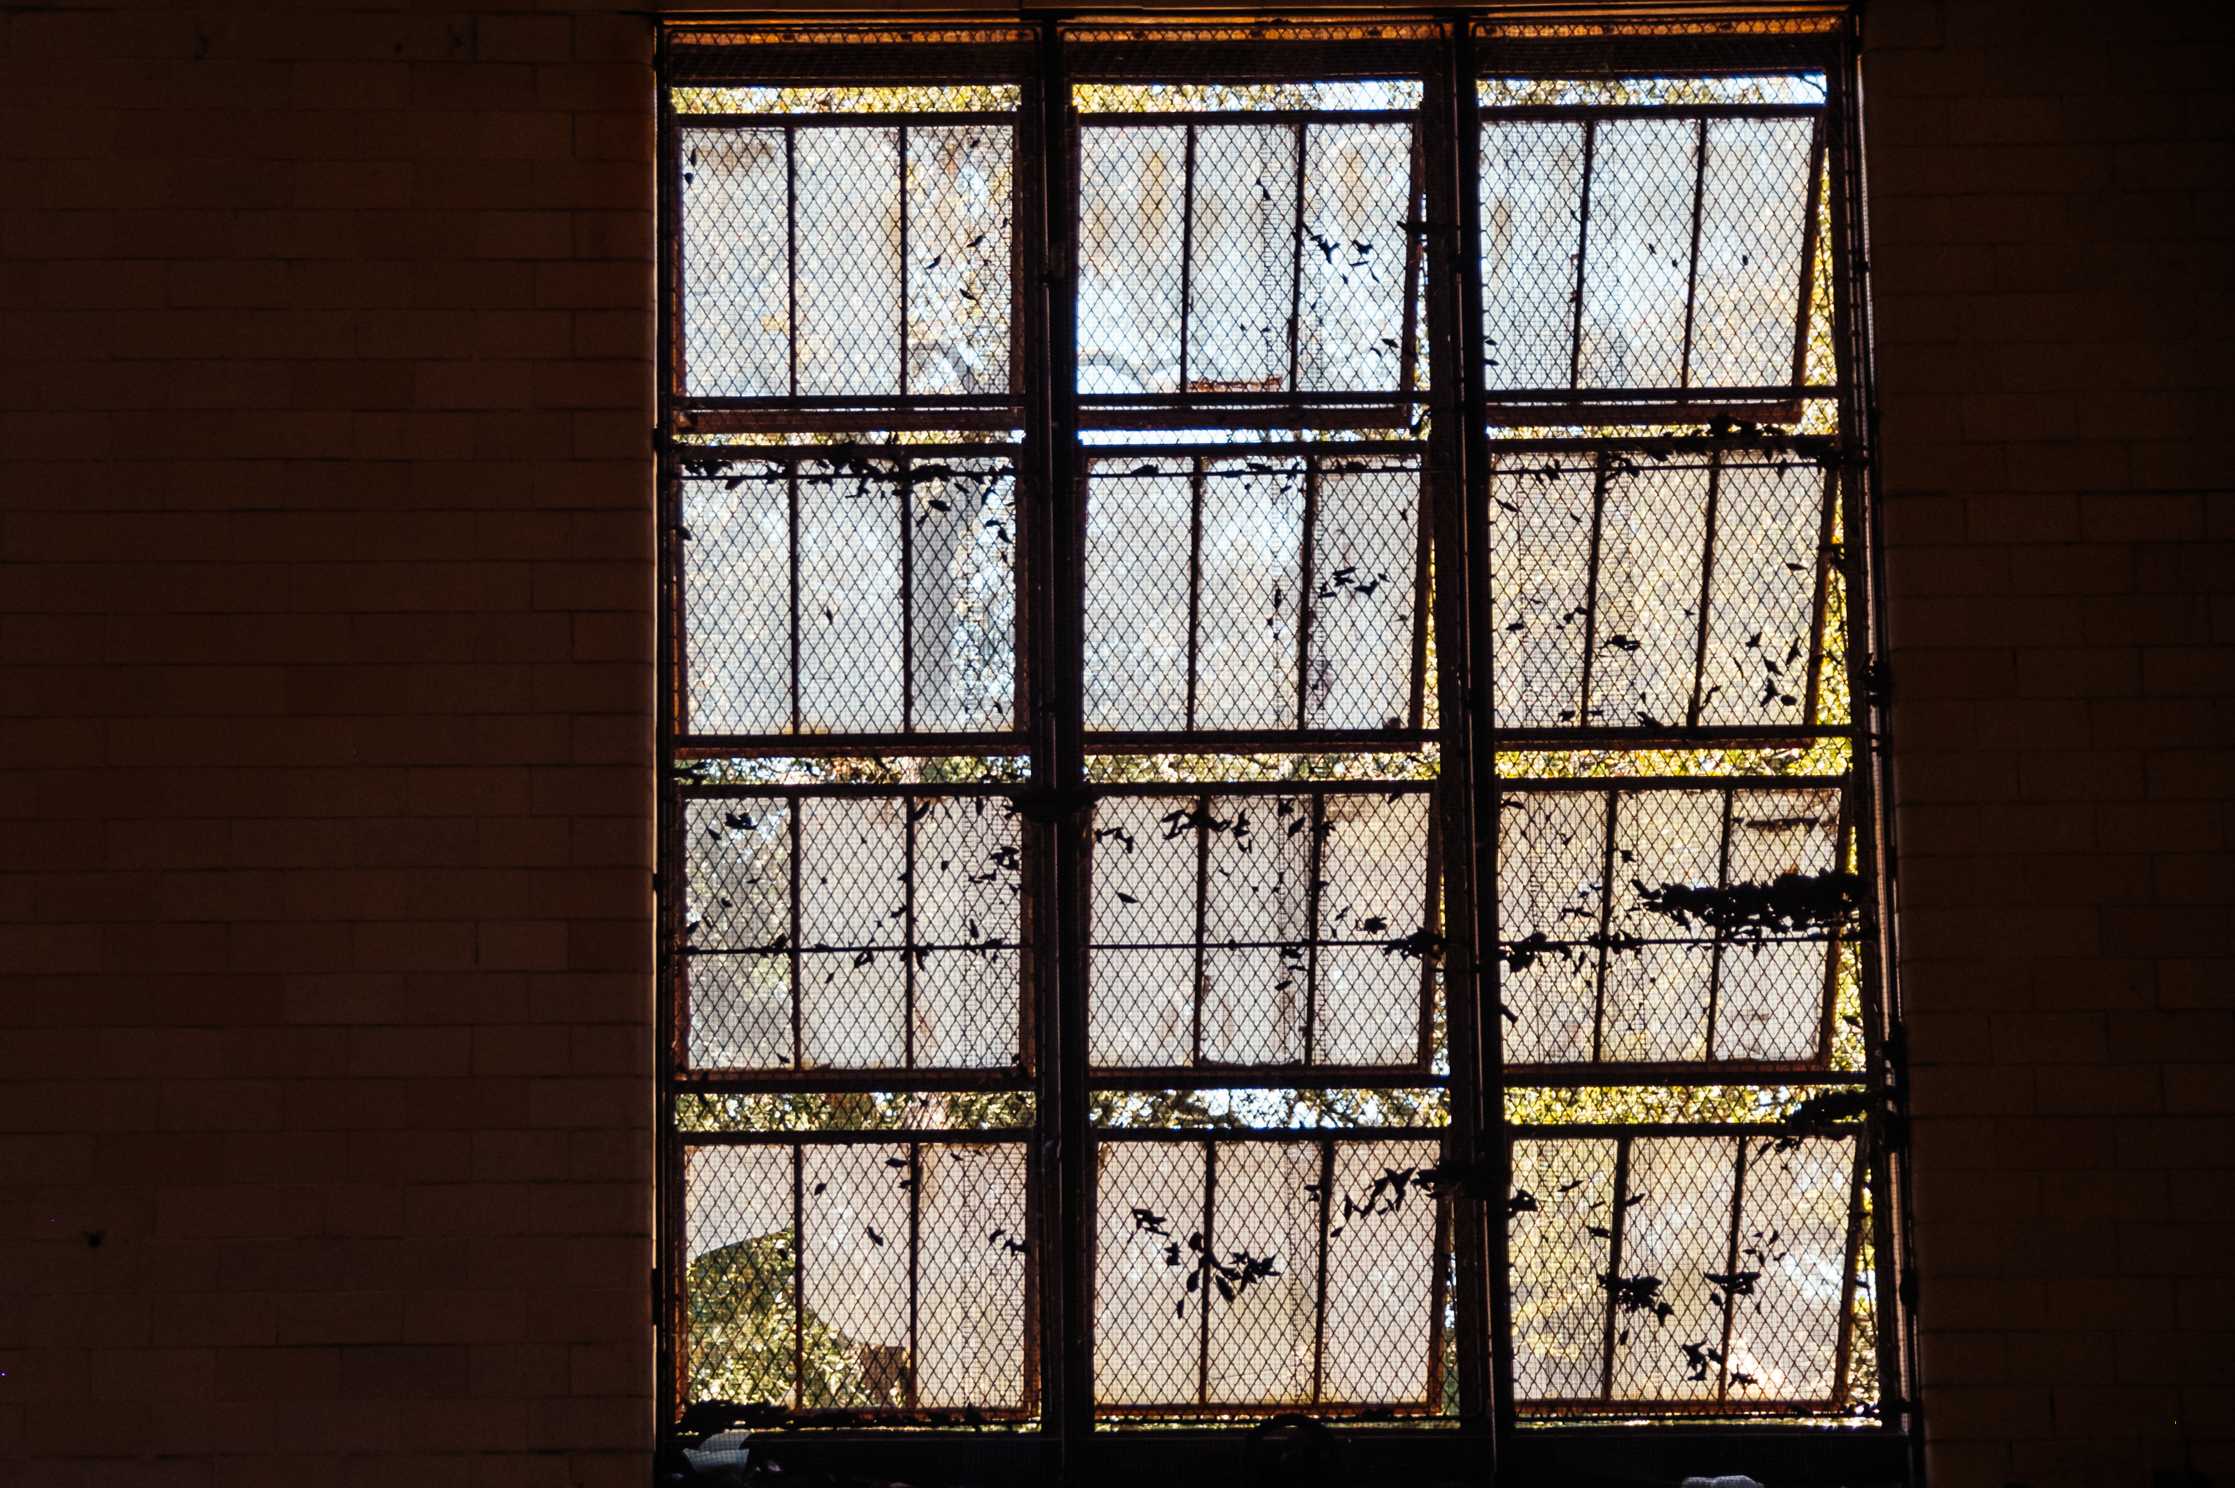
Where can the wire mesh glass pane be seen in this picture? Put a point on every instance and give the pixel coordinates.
(1532, 194)
(1598, 588)
(1753, 225)
(1719, 939)
(974, 1276)
(1262, 1293)
(739, 1245)
(1196, 593)
(1559, 1237)
(1261, 929)
(1243, 257)
(1358, 269)
(961, 181)
(851, 594)
(909, 924)
(1637, 253)
(1148, 1318)
(1719, 1281)
(1382, 1324)
(1132, 231)
(736, 281)
(847, 289)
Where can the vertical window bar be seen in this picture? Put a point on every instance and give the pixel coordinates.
(799, 1032)
(1582, 252)
(1850, 1279)
(1304, 593)
(1409, 340)
(791, 305)
(1613, 801)
(1203, 1273)
(1312, 859)
(1692, 272)
(908, 814)
(1707, 575)
(799, 1271)
(1730, 1267)
(1433, 919)
(906, 499)
(1296, 263)
(1820, 610)
(1202, 915)
(1319, 1291)
(1187, 279)
(1816, 163)
(914, 1375)
(902, 133)
(1611, 1283)
(791, 496)
(1717, 942)
(1591, 590)
(1194, 580)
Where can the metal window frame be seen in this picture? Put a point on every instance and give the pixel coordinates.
(1064, 1443)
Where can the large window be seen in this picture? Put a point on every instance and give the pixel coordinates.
(1272, 797)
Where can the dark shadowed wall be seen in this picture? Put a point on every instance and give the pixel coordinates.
(325, 717)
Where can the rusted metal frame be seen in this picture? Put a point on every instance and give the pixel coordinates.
(1194, 587)
(799, 1275)
(1268, 411)
(1591, 112)
(1582, 253)
(1769, 451)
(1707, 592)
(915, 1270)
(853, 790)
(1254, 741)
(1202, 915)
(1233, 403)
(1423, 529)
(1820, 611)
(1717, 941)
(902, 132)
(1526, 785)
(1850, 1282)
(670, 1276)
(1361, 1411)
(1660, 397)
(1304, 570)
(1692, 270)
(1296, 259)
(791, 489)
(820, 1080)
(991, 1136)
(1816, 165)
(791, 268)
(1451, 203)
(899, 119)
(1213, 1076)
(1600, 1131)
(1270, 449)
(1288, 1135)
(1591, 592)
(1686, 1073)
(1316, 829)
(1612, 814)
(1065, 1236)
(1268, 944)
(702, 460)
(848, 416)
(1203, 1273)
(1730, 1269)
(1001, 745)
(1187, 244)
(1294, 789)
(1863, 581)
(1698, 407)
(1319, 1291)
(1615, 1226)
(1636, 737)
(1267, 118)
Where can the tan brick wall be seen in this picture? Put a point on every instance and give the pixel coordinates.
(2050, 223)
(325, 708)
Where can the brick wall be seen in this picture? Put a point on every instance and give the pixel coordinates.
(2051, 266)
(324, 709)
(325, 617)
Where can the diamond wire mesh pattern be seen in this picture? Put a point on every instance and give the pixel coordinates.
(1639, 588)
(878, 931)
(1682, 1271)
(1268, 591)
(1647, 251)
(1247, 1274)
(827, 592)
(847, 258)
(1263, 929)
(863, 1274)
(1664, 969)
(1266, 258)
